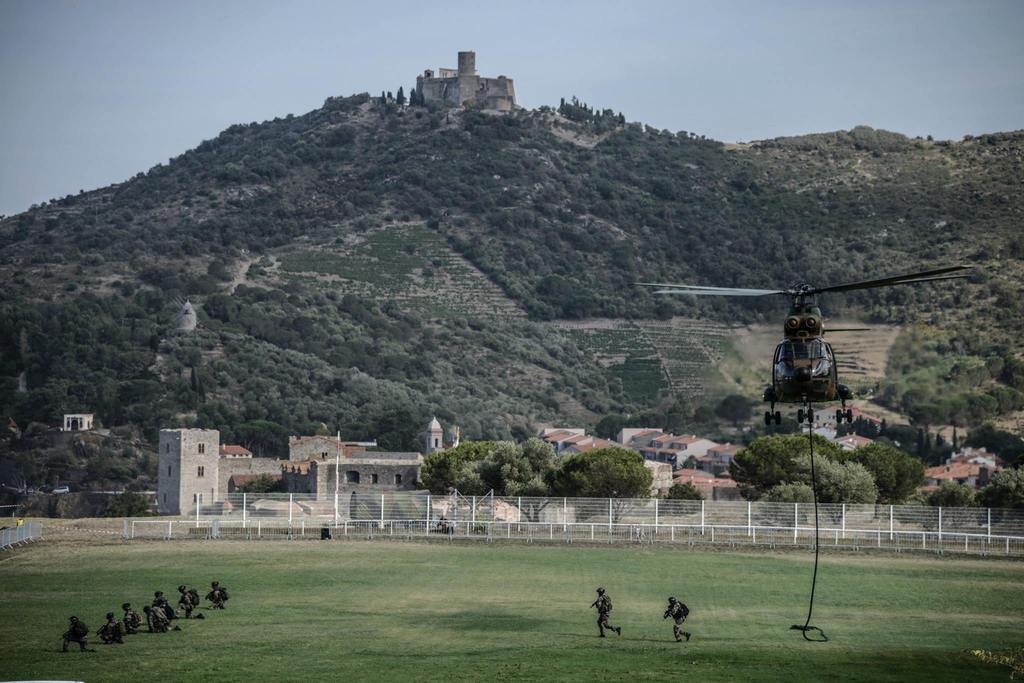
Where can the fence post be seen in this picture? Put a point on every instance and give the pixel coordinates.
(197, 513)
(609, 518)
(473, 512)
(749, 519)
(124, 534)
(655, 515)
(988, 525)
(382, 511)
(702, 517)
(890, 523)
(336, 507)
(796, 521)
(844, 521)
(940, 525)
(427, 528)
(244, 506)
(168, 530)
(565, 514)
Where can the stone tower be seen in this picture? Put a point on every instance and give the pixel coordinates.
(434, 437)
(187, 319)
(188, 475)
(467, 64)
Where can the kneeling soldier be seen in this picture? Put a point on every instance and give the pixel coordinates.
(218, 595)
(678, 611)
(77, 632)
(156, 620)
(131, 620)
(189, 600)
(161, 603)
(604, 608)
(112, 631)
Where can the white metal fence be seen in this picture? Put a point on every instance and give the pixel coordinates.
(16, 535)
(568, 520)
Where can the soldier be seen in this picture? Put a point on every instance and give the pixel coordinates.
(112, 631)
(604, 608)
(189, 600)
(77, 632)
(678, 611)
(161, 603)
(218, 595)
(132, 621)
(156, 620)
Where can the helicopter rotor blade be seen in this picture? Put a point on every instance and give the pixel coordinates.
(847, 329)
(698, 290)
(910, 278)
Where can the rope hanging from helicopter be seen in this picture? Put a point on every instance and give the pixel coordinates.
(806, 628)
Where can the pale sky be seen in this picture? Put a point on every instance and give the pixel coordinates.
(94, 92)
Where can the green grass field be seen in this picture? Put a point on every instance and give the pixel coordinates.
(432, 611)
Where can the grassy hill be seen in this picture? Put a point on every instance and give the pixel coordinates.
(366, 267)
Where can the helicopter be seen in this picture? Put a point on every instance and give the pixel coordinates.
(804, 364)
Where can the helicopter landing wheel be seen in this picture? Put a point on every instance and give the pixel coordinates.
(810, 416)
(840, 416)
(778, 417)
(767, 418)
(800, 415)
(849, 415)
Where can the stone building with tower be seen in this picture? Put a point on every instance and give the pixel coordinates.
(463, 87)
(434, 438)
(197, 471)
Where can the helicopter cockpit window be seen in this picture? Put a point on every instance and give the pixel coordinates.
(795, 353)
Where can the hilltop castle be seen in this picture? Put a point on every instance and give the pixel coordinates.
(463, 87)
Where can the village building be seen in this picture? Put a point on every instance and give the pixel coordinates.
(852, 442)
(77, 422)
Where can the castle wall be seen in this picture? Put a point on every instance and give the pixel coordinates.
(231, 466)
(188, 472)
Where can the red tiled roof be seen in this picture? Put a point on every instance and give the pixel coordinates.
(241, 479)
(957, 470)
(690, 475)
(234, 449)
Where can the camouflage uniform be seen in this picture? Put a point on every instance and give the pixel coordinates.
(604, 608)
(112, 631)
(188, 601)
(132, 621)
(77, 632)
(161, 603)
(156, 620)
(218, 595)
(678, 612)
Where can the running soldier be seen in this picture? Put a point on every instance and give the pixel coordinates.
(189, 601)
(218, 595)
(156, 620)
(162, 604)
(77, 632)
(131, 620)
(678, 611)
(604, 608)
(112, 631)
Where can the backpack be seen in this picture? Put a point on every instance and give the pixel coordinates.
(224, 594)
(195, 595)
(684, 609)
(607, 603)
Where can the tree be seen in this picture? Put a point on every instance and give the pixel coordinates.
(772, 460)
(514, 470)
(897, 474)
(950, 494)
(456, 468)
(609, 426)
(734, 408)
(684, 491)
(611, 472)
(129, 504)
(790, 493)
(1005, 490)
(840, 482)
(400, 98)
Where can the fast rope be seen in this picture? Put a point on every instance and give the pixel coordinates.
(814, 580)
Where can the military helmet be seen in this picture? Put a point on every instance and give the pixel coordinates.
(671, 599)
(147, 608)
(181, 588)
(73, 619)
(600, 591)
(215, 584)
(126, 605)
(110, 615)
(157, 594)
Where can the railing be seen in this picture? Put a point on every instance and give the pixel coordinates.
(568, 520)
(16, 535)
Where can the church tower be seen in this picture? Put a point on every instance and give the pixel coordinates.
(434, 437)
